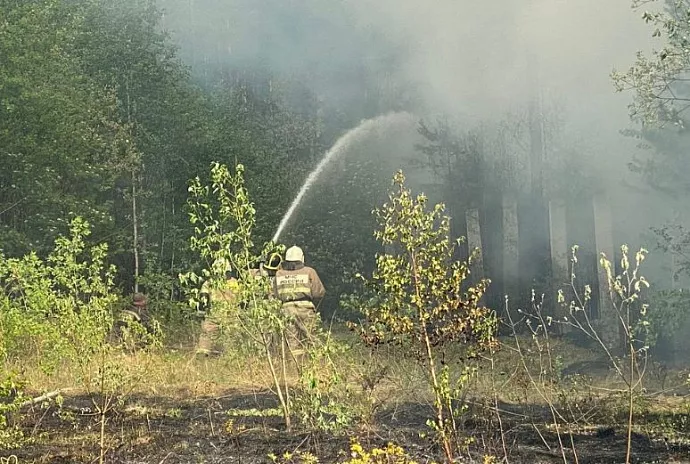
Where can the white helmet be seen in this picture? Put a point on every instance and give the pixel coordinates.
(294, 253)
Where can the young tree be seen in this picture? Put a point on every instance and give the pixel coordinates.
(419, 299)
(224, 218)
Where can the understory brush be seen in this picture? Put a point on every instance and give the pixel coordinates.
(249, 318)
(424, 366)
(11, 399)
(419, 298)
(61, 311)
(572, 402)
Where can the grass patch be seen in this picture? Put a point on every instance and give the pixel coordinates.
(190, 409)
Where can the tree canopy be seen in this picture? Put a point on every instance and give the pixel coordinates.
(101, 119)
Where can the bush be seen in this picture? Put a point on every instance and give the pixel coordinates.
(62, 310)
(419, 298)
(11, 398)
(60, 307)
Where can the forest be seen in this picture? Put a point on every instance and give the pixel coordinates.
(496, 206)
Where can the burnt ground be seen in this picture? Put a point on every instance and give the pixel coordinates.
(155, 429)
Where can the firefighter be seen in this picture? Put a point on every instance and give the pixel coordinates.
(266, 269)
(137, 313)
(213, 299)
(270, 267)
(298, 287)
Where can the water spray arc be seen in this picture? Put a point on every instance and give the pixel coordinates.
(366, 127)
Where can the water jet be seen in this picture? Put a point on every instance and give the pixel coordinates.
(355, 134)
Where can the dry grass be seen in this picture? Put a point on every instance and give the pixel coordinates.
(183, 399)
(176, 372)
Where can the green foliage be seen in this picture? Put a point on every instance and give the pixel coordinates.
(671, 311)
(61, 310)
(322, 401)
(98, 112)
(223, 218)
(11, 398)
(55, 134)
(660, 88)
(674, 239)
(658, 80)
(276, 146)
(162, 291)
(60, 306)
(421, 296)
(663, 164)
(420, 299)
(659, 85)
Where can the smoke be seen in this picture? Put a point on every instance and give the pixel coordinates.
(477, 59)
(466, 58)
(473, 61)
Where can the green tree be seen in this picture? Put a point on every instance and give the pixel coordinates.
(661, 97)
(60, 305)
(223, 219)
(54, 128)
(419, 298)
(659, 80)
(121, 46)
(277, 147)
(177, 130)
(100, 118)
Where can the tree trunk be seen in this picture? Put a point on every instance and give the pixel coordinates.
(537, 148)
(172, 247)
(510, 249)
(164, 228)
(558, 236)
(559, 243)
(474, 241)
(135, 226)
(603, 234)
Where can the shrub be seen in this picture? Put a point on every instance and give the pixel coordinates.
(419, 298)
(11, 398)
(60, 307)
